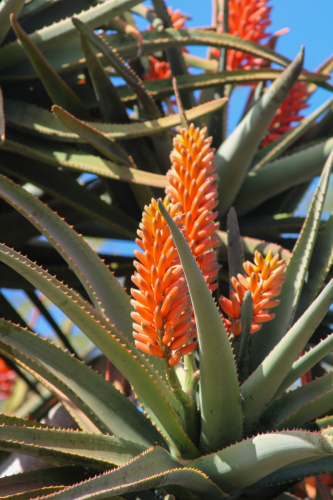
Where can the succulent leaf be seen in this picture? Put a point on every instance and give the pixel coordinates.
(109, 102)
(33, 120)
(232, 469)
(61, 446)
(219, 426)
(103, 144)
(73, 159)
(62, 185)
(152, 469)
(300, 405)
(235, 249)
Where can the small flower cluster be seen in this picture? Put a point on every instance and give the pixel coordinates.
(289, 112)
(264, 280)
(162, 318)
(159, 68)
(192, 183)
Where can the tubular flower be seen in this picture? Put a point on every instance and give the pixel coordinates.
(289, 112)
(264, 280)
(7, 379)
(159, 68)
(248, 19)
(192, 183)
(162, 324)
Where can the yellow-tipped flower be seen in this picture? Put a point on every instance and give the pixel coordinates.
(163, 324)
(264, 280)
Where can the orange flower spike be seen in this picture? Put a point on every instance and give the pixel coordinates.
(248, 20)
(193, 182)
(162, 317)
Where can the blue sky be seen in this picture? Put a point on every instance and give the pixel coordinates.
(310, 23)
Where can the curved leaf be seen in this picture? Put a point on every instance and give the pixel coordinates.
(74, 160)
(154, 468)
(106, 146)
(320, 264)
(289, 407)
(59, 446)
(232, 161)
(221, 418)
(61, 185)
(247, 462)
(33, 120)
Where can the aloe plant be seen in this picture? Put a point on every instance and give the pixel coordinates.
(215, 411)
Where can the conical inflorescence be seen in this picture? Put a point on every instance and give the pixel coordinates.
(192, 181)
(163, 325)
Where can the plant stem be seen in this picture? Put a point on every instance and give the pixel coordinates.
(188, 402)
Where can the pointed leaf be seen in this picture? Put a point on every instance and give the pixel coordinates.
(296, 271)
(150, 108)
(249, 133)
(42, 478)
(247, 462)
(74, 160)
(106, 146)
(243, 343)
(260, 387)
(221, 418)
(58, 91)
(154, 468)
(162, 142)
(235, 249)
